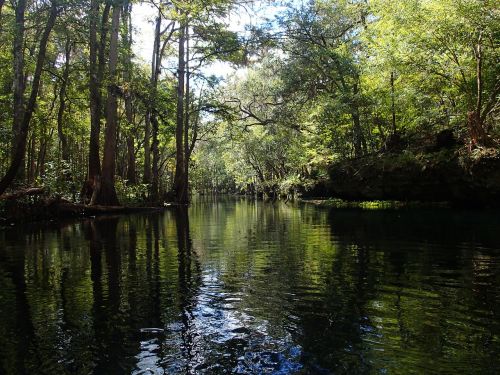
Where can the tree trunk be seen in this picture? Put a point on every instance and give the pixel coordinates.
(20, 148)
(156, 160)
(19, 82)
(155, 71)
(94, 166)
(31, 158)
(479, 77)
(147, 149)
(62, 102)
(97, 64)
(42, 155)
(179, 179)
(186, 124)
(357, 131)
(393, 105)
(105, 194)
(477, 132)
(194, 124)
(131, 174)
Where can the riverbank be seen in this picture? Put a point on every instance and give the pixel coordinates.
(30, 205)
(454, 176)
(373, 205)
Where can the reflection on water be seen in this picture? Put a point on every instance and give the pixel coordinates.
(237, 286)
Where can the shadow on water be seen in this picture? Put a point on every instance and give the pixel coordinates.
(18, 331)
(109, 318)
(246, 287)
(421, 275)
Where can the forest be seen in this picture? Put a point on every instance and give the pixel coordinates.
(315, 94)
(249, 187)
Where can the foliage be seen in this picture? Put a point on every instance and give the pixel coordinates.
(131, 195)
(341, 78)
(59, 180)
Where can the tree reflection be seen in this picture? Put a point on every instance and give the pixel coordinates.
(18, 340)
(250, 287)
(417, 270)
(188, 282)
(105, 254)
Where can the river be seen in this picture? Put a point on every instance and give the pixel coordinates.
(247, 287)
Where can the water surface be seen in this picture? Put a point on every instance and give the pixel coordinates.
(245, 287)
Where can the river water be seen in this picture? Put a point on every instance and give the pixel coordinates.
(246, 287)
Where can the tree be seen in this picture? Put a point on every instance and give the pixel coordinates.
(180, 182)
(96, 72)
(22, 127)
(104, 190)
(445, 56)
(325, 37)
(63, 139)
(128, 95)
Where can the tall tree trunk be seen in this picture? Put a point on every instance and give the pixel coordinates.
(357, 131)
(186, 123)
(63, 139)
(155, 71)
(475, 120)
(94, 163)
(31, 158)
(105, 193)
(179, 179)
(101, 58)
(20, 147)
(156, 161)
(96, 64)
(393, 105)
(479, 76)
(147, 149)
(131, 174)
(42, 155)
(476, 127)
(19, 82)
(148, 120)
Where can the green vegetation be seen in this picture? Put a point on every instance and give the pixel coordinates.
(371, 205)
(319, 83)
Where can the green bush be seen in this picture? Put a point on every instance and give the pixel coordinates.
(131, 195)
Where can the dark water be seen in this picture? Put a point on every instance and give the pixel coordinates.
(246, 287)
